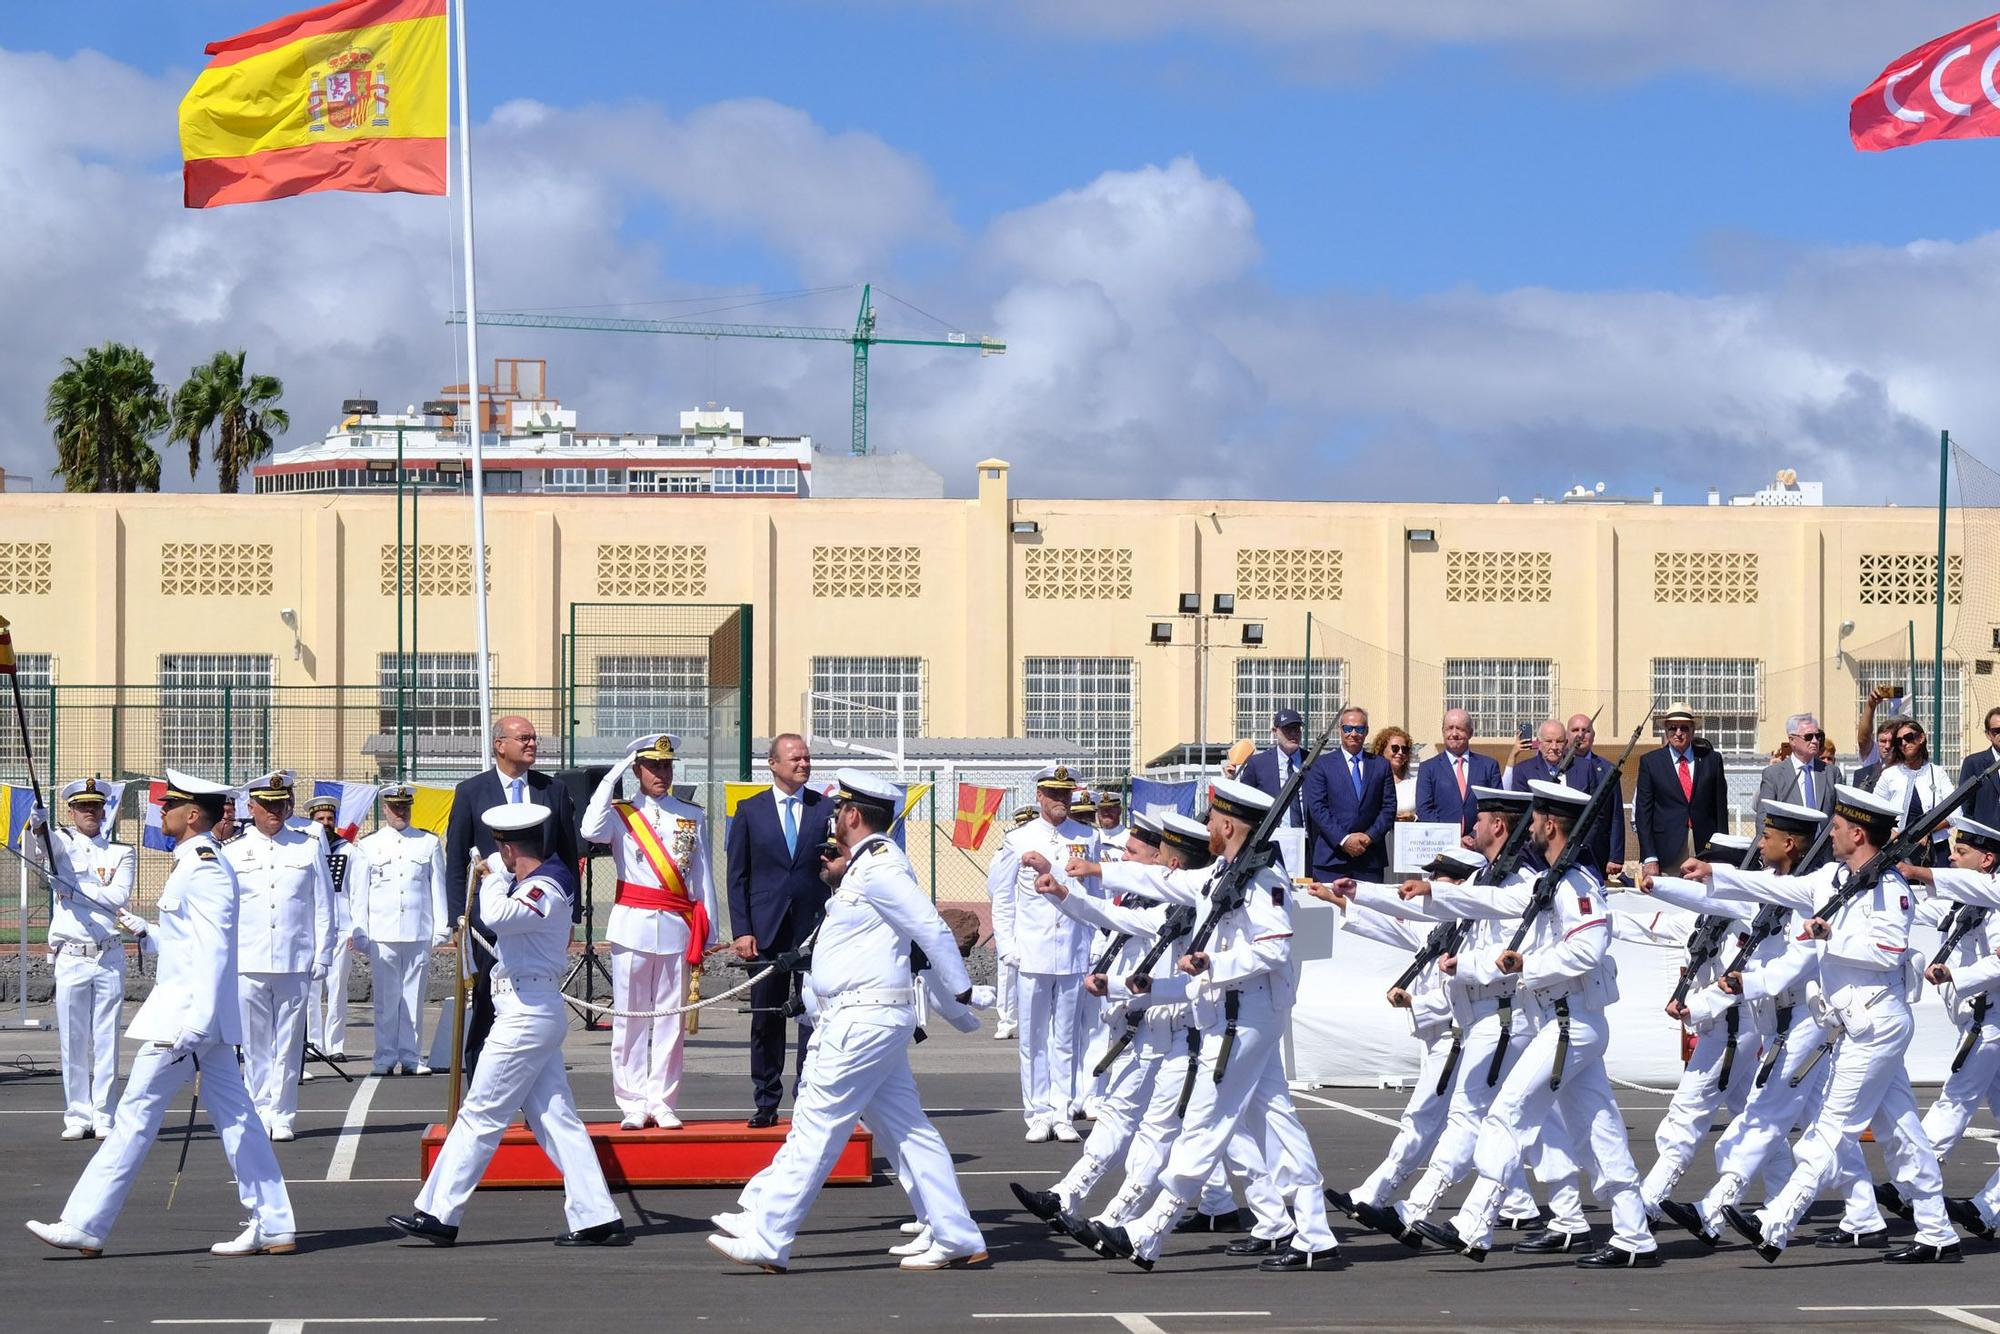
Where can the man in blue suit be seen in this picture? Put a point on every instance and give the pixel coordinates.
(1350, 805)
(1985, 804)
(775, 900)
(1606, 857)
(1270, 769)
(1445, 780)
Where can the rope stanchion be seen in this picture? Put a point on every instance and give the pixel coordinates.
(687, 1008)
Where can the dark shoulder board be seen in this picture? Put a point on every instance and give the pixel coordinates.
(876, 849)
(206, 854)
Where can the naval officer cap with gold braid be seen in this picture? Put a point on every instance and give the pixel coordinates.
(1057, 779)
(272, 788)
(656, 746)
(83, 792)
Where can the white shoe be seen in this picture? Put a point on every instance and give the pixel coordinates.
(282, 1135)
(75, 1132)
(307, 1076)
(735, 1224)
(66, 1238)
(102, 1130)
(1065, 1132)
(1038, 1132)
(664, 1118)
(418, 1069)
(1001, 1032)
(916, 1245)
(250, 1241)
(745, 1253)
(632, 1121)
(937, 1257)
(912, 1228)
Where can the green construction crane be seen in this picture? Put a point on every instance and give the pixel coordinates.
(861, 338)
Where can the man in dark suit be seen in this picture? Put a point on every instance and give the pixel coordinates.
(1801, 778)
(1587, 769)
(1350, 806)
(776, 898)
(1682, 796)
(1985, 804)
(1445, 780)
(513, 780)
(1269, 769)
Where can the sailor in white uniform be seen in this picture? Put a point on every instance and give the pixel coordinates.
(92, 882)
(188, 1027)
(326, 999)
(525, 902)
(664, 921)
(400, 916)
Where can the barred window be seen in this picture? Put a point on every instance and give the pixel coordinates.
(440, 693)
(215, 713)
(1726, 694)
(1501, 694)
(36, 675)
(643, 692)
(1948, 739)
(1087, 701)
(857, 697)
(1265, 685)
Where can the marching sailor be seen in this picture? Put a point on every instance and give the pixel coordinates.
(188, 1027)
(285, 941)
(400, 916)
(92, 880)
(326, 999)
(860, 1064)
(525, 903)
(664, 921)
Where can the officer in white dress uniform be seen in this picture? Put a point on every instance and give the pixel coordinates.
(326, 999)
(92, 882)
(664, 920)
(285, 940)
(1050, 949)
(188, 1027)
(400, 916)
(525, 902)
(860, 1065)
(1006, 971)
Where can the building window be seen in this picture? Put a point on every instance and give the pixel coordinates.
(1726, 695)
(867, 572)
(36, 675)
(215, 714)
(216, 569)
(1948, 738)
(27, 567)
(1896, 580)
(584, 481)
(1079, 574)
(442, 569)
(1288, 574)
(857, 697)
(642, 692)
(1086, 702)
(1501, 694)
(1265, 685)
(440, 693)
(757, 481)
(1710, 577)
(1498, 576)
(651, 570)
(663, 481)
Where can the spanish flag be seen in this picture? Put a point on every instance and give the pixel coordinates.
(349, 96)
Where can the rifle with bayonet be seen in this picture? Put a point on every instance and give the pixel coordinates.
(1902, 847)
(1965, 920)
(1607, 792)
(1711, 932)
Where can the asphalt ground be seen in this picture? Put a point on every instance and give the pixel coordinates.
(355, 1160)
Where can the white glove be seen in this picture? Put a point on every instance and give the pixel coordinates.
(318, 971)
(38, 818)
(134, 923)
(185, 1041)
(1009, 958)
(984, 998)
(438, 941)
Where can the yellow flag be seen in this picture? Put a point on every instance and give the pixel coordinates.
(431, 810)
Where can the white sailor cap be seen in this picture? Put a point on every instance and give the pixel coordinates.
(1182, 834)
(1237, 800)
(185, 786)
(1056, 778)
(1146, 829)
(654, 746)
(1458, 863)
(401, 793)
(1790, 817)
(1726, 848)
(1504, 800)
(1865, 808)
(514, 818)
(314, 805)
(83, 792)
(1557, 797)
(271, 787)
(872, 790)
(1982, 836)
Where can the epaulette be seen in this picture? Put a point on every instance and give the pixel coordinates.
(206, 854)
(232, 838)
(875, 849)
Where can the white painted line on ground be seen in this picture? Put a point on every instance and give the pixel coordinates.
(342, 1166)
(1120, 1316)
(1361, 1112)
(349, 1181)
(1962, 1314)
(297, 1324)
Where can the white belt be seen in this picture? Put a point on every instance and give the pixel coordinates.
(80, 948)
(1479, 991)
(529, 982)
(883, 997)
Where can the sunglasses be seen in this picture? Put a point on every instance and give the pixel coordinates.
(1363, 729)
(1397, 750)
(1809, 736)
(1993, 731)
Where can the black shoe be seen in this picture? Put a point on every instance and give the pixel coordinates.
(1201, 1222)
(1445, 1235)
(1839, 1238)
(1043, 1204)
(1688, 1218)
(612, 1233)
(762, 1119)
(1081, 1229)
(1617, 1257)
(423, 1227)
(1966, 1214)
(1388, 1222)
(338, 1058)
(1114, 1242)
(1522, 1223)
(1891, 1199)
(1292, 1260)
(1747, 1226)
(1551, 1242)
(1922, 1253)
(1259, 1245)
(1341, 1200)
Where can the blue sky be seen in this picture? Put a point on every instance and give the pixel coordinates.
(1378, 170)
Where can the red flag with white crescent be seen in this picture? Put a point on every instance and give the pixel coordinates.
(1945, 89)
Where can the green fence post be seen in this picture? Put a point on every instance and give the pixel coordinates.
(228, 733)
(746, 709)
(933, 817)
(50, 746)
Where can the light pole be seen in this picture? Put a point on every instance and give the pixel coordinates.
(1221, 608)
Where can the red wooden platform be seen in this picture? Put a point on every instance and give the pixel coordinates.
(700, 1153)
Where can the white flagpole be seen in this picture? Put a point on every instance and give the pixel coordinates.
(473, 401)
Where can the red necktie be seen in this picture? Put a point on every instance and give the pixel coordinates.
(1458, 763)
(1687, 781)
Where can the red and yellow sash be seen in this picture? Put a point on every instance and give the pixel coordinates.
(671, 894)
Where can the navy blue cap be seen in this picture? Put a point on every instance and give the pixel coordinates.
(1288, 718)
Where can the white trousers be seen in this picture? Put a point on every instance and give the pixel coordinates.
(1697, 1098)
(1048, 1045)
(646, 1053)
(449, 1037)
(1867, 1087)
(520, 1066)
(89, 990)
(1587, 1108)
(157, 1075)
(273, 1007)
(1977, 1081)
(326, 1005)
(1417, 1129)
(1007, 1006)
(859, 1069)
(398, 969)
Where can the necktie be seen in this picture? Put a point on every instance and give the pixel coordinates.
(1687, 780)
(1291, 770)
(1458, 763)
(1805, 784)
(514, 787)
(1355, 769)
(791, 824)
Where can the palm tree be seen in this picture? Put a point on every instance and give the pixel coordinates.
(242, 411)
(106, 408)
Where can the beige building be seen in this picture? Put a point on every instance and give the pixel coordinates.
(989, 616)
